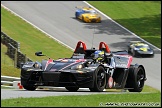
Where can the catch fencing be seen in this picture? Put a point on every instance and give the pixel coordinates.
(13, 50)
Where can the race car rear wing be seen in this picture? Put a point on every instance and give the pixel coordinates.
(103, 46)
(80, 47)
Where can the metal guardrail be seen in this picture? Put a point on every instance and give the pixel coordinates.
(9, 78)
(7, 81)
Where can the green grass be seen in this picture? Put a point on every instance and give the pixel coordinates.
(84, 100)
(141, 17)
(81, 101)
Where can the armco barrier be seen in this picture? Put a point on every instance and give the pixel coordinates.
(11, 82)
(9, 78)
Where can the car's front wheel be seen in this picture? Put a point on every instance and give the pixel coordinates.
(75, 15)
(129, 50)
(29, 87)
(100, 80)
(133, 53)
(72, 89)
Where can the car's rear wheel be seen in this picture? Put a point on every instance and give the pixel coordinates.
(29, 87)
(100, 80)
(136, 79)
(76, 15)
(152, 56)
(133, 53)
(129, 50)
(72, 89)
(99, 21)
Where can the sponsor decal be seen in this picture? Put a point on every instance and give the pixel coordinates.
(114, 83)
(90, 67)
(67, 66)
(121, 65)
(143, 49)
(33, 69)
(80, 60)
(110, 82)
(53, 69)
(48, 62)
(29, 69)
(64, 60)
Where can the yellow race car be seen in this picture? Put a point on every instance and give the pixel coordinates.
(87, 14)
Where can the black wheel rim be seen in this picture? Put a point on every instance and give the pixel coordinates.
(101, 78)
(140, 78)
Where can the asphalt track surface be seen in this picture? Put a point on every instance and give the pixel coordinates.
(57, 19)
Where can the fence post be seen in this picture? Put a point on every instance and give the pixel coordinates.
(13, 49)
(15, 64)
(18, 46)
(25, 59)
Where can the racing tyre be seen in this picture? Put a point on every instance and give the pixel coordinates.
(100, 80)
(75, 16)
(83, 19)
(129, 50)
(136, 79)
(72, 89)
(100, 21)
(133, 53)
(31, 88)
(152, 56)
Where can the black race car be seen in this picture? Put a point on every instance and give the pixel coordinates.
(86, 68)
(140, 49)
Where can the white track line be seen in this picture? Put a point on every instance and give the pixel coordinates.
(120, 25)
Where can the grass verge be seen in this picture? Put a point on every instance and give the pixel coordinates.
(95, 100)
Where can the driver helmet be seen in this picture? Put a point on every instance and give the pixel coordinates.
(98, 54)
